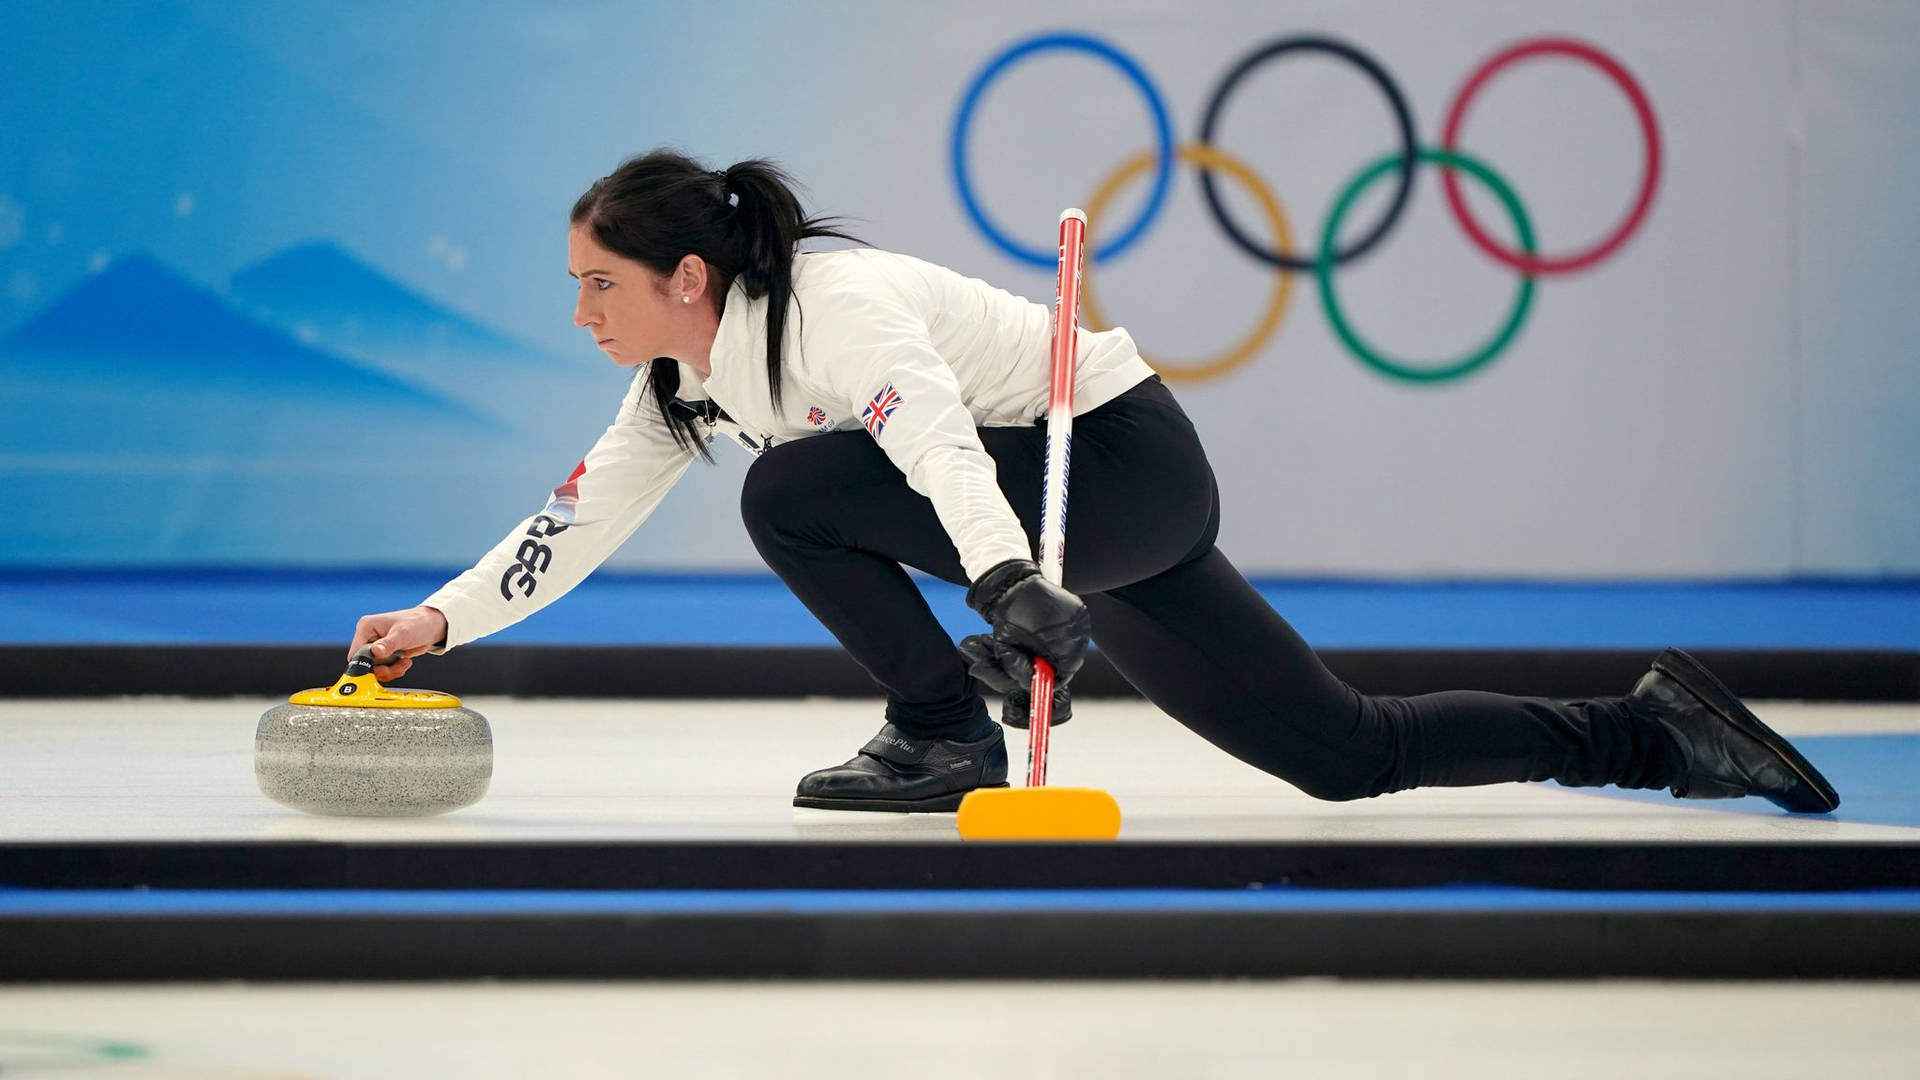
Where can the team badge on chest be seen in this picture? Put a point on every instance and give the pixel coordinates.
(816, 416)
(877, 412)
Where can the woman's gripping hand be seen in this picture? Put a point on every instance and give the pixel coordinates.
(402, 634)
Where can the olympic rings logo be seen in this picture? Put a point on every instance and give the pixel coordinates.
(1525, 259)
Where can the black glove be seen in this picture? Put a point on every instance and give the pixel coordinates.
(1031, 617)
(1016, 710)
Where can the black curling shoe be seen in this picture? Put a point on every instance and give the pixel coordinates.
(1728, 751)
(906, 775)
(1016, 711)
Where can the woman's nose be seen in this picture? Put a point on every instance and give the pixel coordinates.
(583, 315)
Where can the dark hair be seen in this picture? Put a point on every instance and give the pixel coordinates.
(744, 222)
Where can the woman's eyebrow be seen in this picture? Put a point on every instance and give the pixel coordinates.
(585, 273)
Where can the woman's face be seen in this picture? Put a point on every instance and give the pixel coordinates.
(635, 314)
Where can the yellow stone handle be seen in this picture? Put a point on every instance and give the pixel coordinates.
(360, 688)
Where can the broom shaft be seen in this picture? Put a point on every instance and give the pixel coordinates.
(1053, 498)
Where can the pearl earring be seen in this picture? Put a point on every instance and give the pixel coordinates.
(686, 299)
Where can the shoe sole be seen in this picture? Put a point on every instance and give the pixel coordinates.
(1689, 673)
(936, 804)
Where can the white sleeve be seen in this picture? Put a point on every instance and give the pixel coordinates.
(877, 354)
(613, 489)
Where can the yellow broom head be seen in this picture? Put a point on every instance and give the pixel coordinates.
(1039, 813)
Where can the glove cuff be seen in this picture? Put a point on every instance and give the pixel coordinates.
(994, 584)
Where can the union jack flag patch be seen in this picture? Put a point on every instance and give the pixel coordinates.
(816, 416)
(875, 415)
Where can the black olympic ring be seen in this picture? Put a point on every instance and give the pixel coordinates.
(1402, 115)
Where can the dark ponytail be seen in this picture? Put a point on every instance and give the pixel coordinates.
(744, 222)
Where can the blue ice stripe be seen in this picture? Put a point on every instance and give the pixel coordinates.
(35, 902)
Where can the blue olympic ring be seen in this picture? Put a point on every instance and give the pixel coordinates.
(1048, 258)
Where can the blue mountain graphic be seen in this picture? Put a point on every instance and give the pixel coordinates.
(139, 323)
(341, 299)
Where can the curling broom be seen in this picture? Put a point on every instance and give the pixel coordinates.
(1036, 811)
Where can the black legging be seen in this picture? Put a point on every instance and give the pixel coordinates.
(836, 520)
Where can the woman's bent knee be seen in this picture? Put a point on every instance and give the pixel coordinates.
(795, 477)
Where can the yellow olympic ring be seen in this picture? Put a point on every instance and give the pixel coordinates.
(1213, 158)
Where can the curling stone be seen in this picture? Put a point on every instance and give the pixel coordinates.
(358, 749)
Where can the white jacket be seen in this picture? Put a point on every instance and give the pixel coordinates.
(918, 354)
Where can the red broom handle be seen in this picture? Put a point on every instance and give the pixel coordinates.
(1053, 492)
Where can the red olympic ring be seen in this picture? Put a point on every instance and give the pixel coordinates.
(1649, 180)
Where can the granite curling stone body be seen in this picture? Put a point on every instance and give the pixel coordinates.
(358, 749)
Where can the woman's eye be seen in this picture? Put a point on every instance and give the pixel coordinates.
(602, 284)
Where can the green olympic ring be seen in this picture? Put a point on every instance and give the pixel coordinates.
(1324, 265)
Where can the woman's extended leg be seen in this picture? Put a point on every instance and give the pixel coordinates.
(1205, 646)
